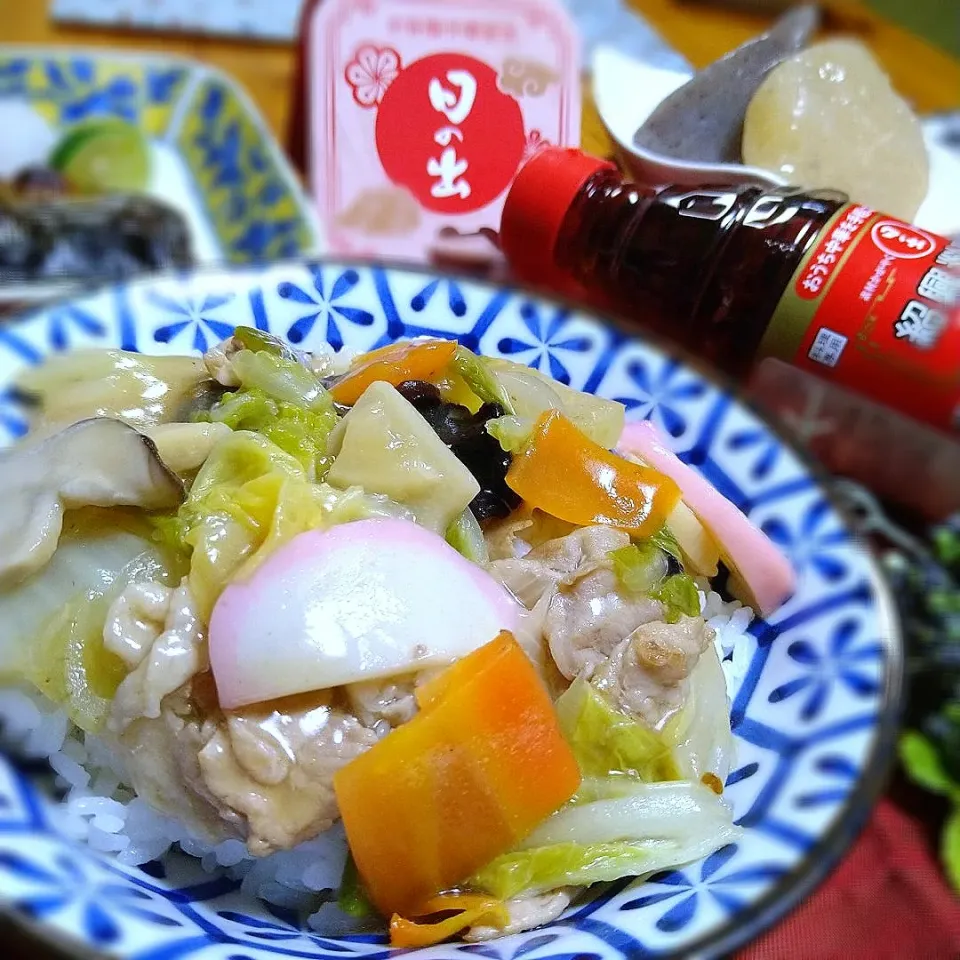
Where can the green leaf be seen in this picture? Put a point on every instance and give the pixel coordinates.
(944, 602)
(679, 597)
(511, 433)
(481, 380)
(579, 864)
(667, 542)
(532, 393)
(253, 339)
(352, 898)
(950, 848)
(299, 431)
(563, 864)
(922, 763)
(72, 667)
(281, 378)
(946, 543)
(609, 743)
(248, 498)
(466, 537)
(639, 567)
(281, 400)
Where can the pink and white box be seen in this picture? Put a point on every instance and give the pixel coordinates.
(417, 114)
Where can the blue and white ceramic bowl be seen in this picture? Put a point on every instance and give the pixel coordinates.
(814, 717)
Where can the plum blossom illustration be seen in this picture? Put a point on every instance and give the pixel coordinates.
(370, 72)
(534, 143)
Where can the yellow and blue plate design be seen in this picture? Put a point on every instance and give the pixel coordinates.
(212, 155)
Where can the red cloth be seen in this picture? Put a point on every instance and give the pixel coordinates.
(886, 901)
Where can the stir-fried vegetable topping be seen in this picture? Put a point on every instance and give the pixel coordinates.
(467, 909)
(464, 433)
(467, 773)
(281, 400)
(413, 360)
(679, 597)
(658, 825)
(564, 473)
(472, 774)
(607, 742)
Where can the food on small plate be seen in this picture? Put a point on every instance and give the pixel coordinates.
(703, 118)
(815, 116)
(93, 158)
(89, 239)
(828, 117)
(312, 618)
(83, 215)
(103, 155)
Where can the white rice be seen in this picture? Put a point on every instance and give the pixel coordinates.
(729, 620)
(99, 808)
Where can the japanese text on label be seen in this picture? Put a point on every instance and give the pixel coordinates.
(939, 285)
(920, 324)
(455, 104)
(831, 251)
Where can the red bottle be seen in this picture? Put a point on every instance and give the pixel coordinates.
(740, 273)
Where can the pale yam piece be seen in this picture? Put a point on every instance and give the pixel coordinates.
(828, 117)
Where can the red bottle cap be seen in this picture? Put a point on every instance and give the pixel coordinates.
(536, 205)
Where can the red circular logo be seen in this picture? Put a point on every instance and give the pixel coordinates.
(901, 240)
(448, 134)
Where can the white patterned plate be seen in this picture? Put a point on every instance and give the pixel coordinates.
(814, 718)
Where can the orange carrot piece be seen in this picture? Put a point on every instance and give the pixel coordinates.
(469, 908)
(562, 472)
(410, 360)
(479, 767)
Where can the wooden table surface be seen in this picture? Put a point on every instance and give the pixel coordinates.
(928, 77)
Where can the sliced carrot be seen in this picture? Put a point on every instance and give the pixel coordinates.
(562, 472)
(429, 694)
(395, 363)
(479, 767)
(469, 908)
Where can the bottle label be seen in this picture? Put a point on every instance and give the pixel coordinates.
(874, 306)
